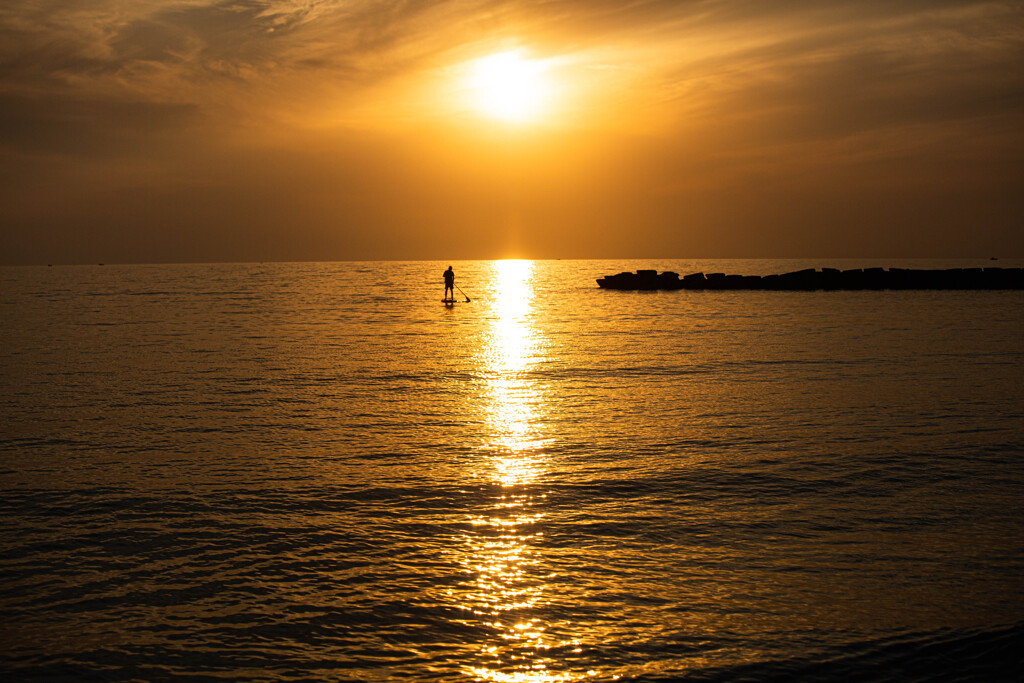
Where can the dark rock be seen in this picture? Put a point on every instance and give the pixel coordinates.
(827, 278)
(694, 281)
(800, 280)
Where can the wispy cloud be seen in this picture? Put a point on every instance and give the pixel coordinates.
(733, 89)
(204, 52)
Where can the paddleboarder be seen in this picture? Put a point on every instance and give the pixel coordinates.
(449, 284)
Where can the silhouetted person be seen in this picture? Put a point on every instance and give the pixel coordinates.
(449, 284)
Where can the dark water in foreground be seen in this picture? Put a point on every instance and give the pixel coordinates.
(318, 472)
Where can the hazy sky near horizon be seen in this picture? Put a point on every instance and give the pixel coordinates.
(241, 130)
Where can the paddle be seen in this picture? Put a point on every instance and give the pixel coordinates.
(462, 293)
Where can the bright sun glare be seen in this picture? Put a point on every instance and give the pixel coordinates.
(509, 87)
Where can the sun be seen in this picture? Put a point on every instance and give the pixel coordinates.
(510, 87)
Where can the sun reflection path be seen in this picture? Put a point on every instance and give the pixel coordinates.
(510, 581)
(512, 351)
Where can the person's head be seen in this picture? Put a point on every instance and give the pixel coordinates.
(449, 267)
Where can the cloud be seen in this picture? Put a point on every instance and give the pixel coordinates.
(338, 111)
(212, 53)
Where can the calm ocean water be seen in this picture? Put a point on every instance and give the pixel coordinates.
(318, 472)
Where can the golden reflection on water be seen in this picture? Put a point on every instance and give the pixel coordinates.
(510, 583)
(511, 352)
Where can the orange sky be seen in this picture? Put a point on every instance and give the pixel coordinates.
(193, 130)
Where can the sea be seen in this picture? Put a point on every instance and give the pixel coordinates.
(321, 472)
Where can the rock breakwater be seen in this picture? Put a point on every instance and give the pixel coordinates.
(824, 279)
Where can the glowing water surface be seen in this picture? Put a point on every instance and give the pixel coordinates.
(510, 584)
(317, 472)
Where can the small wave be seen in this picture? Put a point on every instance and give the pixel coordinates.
(993, 655)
